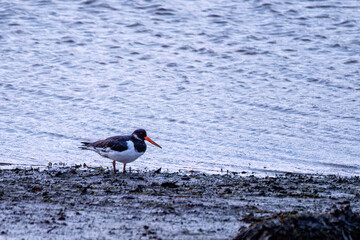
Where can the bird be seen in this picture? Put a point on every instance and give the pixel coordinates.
(124, 149)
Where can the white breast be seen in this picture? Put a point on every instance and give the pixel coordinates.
(126, 156)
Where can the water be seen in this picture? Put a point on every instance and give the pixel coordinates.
(257, 86)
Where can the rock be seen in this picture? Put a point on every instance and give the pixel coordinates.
(339, 224)
(169, 185)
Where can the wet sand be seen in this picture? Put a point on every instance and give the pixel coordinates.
(83, 203)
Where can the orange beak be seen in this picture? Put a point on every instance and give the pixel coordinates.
(149, 140)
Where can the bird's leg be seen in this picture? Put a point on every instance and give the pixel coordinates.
(114, 167)
(124, 170)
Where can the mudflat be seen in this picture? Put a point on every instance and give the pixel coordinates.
(85, 203)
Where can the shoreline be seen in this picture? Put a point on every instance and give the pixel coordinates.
(87, 203)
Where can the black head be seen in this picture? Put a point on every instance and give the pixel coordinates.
(139, 134)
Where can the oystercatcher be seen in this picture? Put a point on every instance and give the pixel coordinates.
(123, 149)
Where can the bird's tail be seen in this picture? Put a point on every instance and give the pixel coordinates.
(84, 145)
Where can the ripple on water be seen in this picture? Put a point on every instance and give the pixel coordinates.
(259, 86)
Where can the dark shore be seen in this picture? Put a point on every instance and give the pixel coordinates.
(83, 203)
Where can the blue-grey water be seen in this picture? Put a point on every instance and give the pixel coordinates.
(256, 86)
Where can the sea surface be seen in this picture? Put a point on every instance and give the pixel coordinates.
(246, 85)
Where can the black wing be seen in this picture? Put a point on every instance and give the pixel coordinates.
(117, 143)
